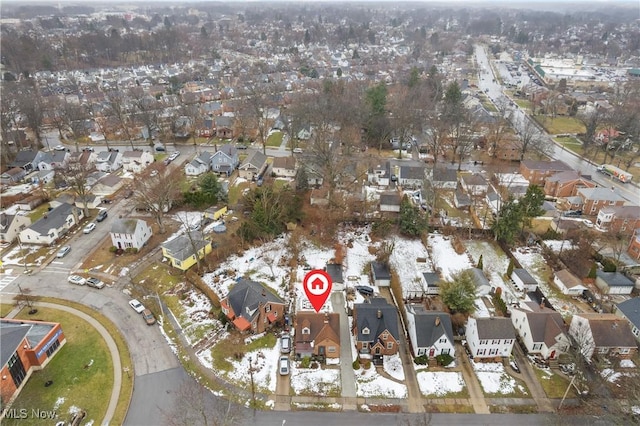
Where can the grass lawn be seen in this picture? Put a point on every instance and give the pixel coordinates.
(79, 369)
(275, 139)
(235, 192)
(554, 385)
(5, 308)
(523, 103)
(560, 124)
(38, 212)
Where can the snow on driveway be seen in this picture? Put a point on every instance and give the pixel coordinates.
(440, 383)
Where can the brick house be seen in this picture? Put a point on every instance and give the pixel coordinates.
(603, 334)
(536, 172)
(566, 184)
(594, 199)
(317, 335)
(634, 245)
(252, 307)
(375, 328)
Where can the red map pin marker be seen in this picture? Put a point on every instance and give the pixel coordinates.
(317, 286)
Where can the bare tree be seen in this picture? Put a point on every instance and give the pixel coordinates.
(117, 107)
(157, 191)
(255, 110)
(32, 106)
(76, 176)
(531, 140)
(196, 405)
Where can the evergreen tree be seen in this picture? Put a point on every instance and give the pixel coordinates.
(479, 266)
(411, 222)
(459, 293)
(510, 268)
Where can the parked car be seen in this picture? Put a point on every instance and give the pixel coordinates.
(90, 227)
(102, 215)
(148, 317)
(364, 290)
(59, 148)
(159, 148)
(88, 148)
(77, 280)
(283, 365)
(285, 344)
(514, 365)
(297, 150)
(64, 250)
(95, 283)
(174, 155)
(136, 305)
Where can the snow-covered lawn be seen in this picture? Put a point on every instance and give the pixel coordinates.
(557, 245)
(440, 383)
(323, 382)
(393, 366)
(445, 257)
(494, 380)
(370, 384)
(404, 261)
(197, 323)
(265, 367)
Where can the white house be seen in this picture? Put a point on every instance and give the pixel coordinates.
(542, 330)
(490, 337)
(199, 165)
(432, 282)
(11, 225)
(523, 280)
(53, 225)
(568, 283)
(109, 161)
(604, 334)
(130, 233)
(613, 283)
(284, 167)
(136, 161)
(430, 332)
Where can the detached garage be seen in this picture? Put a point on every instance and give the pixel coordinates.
(613, 283)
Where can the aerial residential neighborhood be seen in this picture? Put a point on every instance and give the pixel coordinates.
(465, 178)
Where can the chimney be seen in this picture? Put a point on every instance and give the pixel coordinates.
(437, 321)
(379, 314)
(326, 318)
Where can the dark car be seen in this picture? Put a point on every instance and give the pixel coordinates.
(102, 215)
(364, 290)
(148, 317)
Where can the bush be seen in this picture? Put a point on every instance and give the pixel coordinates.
(592, 271)
(113, 249)
(366, 365)
(356, 364)
(305, 362)
(608, 265)
(421, 360)
(499, 304)
(444, 359)
(510, 268)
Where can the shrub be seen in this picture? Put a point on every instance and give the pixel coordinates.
(480, 264)
(305, 362)
(113, 249)
(444, 359)
(608, 265)
(356, 364)
(592, 271)
(367, 364)
(421, 360)
(510, 268)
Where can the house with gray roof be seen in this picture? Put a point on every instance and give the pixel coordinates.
(252, 307)
(13, 175)
(185, 250)
(225, 160)
(412, 176)
(568, 283)
(523, 280)
(613, 283)
(375, 329)
(380, 274)
(483, 286)
(475, 184)
(430, 332)
(335, 272)
(224, 127)
(253, 166)
(542, 330)
(603, 334)
(199, 165)
(444, 178)
(390, 201)
(53, 225)
(130, 233)
(27, 160)
(54, 160)
(630, 310)
(594, 199)
(108, 161)
(490, 338)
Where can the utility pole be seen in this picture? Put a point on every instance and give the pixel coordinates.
(566, 392)
(253, 387)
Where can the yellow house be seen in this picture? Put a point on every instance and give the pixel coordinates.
(215, 212)
(181, 251)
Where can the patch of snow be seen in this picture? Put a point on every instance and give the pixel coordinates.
(124, 271)
(393, 366)
(370, 384)
(557, 245)
(404, 261)
(609, 375)
(316, 381)
(494, 380)
(627, 363)
(440, 383)
(59, 402)
(445, 257)
(264, 363)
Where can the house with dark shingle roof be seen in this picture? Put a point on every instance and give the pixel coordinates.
(317, 335)
(490, 337)
(604, 334)
(523, 280)
(199, 165)
(53, 225)
(284, 167)
(630, 310)
(444, 178)
(27, 160)
(225, 159)
(613, 283)
(375, 328)
(251, 306)
(182, 250)
(430, 332)
(130, 233)
(542, 330)
(565, 184)
(253, 166)
(536, 172)
(390, 201)
(335, 272)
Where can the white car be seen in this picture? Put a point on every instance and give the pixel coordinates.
(297, 150)
(59, 148)
(137, 306)
(90, 227)
(77, 280)
(174, 155)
